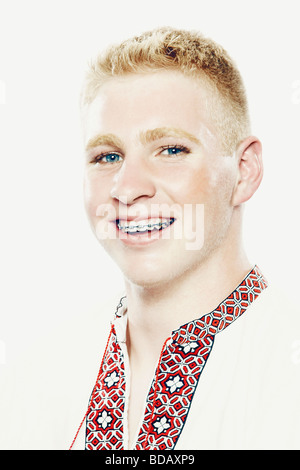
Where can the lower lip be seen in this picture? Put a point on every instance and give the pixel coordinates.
(143, 238)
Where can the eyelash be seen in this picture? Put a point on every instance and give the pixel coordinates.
(175, 147)
(99, 158)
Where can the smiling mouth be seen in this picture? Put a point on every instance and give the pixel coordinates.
(144, 226)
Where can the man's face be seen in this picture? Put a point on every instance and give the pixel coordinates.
(157, 190)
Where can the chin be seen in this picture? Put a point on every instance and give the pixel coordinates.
(158, 269)
(159, 276)
(146, 278)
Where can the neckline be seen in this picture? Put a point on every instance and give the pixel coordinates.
(175, 380)
(227, 311)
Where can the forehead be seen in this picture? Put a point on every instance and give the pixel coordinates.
(137, 103)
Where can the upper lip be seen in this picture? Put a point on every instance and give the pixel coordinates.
(141, 217)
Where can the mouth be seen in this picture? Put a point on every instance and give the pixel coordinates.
(145, 226)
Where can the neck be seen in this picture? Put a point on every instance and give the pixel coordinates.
(155, 311)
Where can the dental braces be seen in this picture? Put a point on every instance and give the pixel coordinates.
(145, 227)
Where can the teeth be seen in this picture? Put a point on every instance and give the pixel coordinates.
(145, 225)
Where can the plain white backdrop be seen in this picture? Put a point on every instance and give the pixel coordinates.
(52, 267)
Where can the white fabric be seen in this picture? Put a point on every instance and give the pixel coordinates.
(247, 396)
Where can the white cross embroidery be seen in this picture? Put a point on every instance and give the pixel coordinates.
(104, 419)
(161, 425)
(190, 347)
(111, 379)
(175, 384)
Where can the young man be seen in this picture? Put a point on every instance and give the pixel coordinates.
(192, 359)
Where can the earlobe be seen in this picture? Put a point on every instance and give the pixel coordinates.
(250, 170)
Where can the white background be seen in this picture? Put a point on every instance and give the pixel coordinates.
(51, 266)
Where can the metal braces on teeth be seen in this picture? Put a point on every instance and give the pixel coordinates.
(145, 227)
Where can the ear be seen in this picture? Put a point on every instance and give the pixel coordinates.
(250, 170)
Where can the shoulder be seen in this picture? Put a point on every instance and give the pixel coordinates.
(51, 383)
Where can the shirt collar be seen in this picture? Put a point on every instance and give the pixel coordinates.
(211, 323)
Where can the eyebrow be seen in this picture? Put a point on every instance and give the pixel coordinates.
(103, 139)
(161, 132)
(145, 137)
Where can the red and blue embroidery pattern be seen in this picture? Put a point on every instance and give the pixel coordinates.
(105, 418)
(182, 361)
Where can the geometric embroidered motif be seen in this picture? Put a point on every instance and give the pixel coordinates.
(182, 361)
(177, 379)
(105, 419)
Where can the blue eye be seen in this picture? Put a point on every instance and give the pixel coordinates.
(111, 158)
(174, 150)
(108, 158)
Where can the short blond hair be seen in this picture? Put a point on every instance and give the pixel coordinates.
(192, 54)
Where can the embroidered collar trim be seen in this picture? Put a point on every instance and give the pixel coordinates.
(181, 363)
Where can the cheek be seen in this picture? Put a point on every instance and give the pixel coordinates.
(95, 194)
(213, 183)
(210, 188)
(190, 186)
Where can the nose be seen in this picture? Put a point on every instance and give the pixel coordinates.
(134, 182)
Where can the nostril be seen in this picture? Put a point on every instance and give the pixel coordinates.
(132, 183)
(123, 199)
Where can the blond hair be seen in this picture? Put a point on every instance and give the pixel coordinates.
(192, 54)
